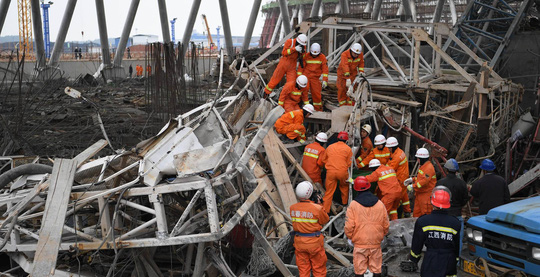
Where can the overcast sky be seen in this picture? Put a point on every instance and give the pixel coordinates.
(146, 21)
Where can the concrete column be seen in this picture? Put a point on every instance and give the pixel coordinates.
(226, 28)
(376, 10)
(344, 6)
(119, 56)
(61, 38)
(438, 11)
(453, 11)
(4, 7)
(38, 34)
(164, 21)
(315, 8)
(407, 8)
(285, 15)
(103, 37)
(369, 6)
(277, 30)
(190, 23)
(251, 24)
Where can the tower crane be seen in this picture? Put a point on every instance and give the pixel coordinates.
(25, 27)
(210, 41)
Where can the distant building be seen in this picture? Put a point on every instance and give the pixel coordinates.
(144, 39)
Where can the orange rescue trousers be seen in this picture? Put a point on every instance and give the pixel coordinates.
(422, 204)
(284, 67)
(391, 202)
(405, 203)
(309, 260)
(332, 179)
(343, 99)
(367, 257)
(315, 86)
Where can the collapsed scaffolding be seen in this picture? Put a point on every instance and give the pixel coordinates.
(217, 178)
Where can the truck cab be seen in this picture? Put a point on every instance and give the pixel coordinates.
(508, 235)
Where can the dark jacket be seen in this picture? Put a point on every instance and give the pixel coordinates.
(439, 231)
(491, 191)
(460, 194)
(366, 198)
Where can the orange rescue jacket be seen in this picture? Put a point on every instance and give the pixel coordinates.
(289, 52)
(291, 93)
(365, 149)
(426, 178)
(386, 179)
(366, 226)
(348, 66)
(398, 161)
(337, 157)
(314, 66)
(308, 218)
(381, 155)
(312, 153)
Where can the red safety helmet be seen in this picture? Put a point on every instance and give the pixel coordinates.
(361, 183)
(343, 136)
(440, 197)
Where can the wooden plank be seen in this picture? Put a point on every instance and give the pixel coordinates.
(279, 171)
(337, 255)
(396, 100)
(524, 180)
(54, 216)
(90, 152)
(465, 140)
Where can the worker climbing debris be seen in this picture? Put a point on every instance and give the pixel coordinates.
(294, 93)
(398, 161)
(287, 64)
(315, 66)
(291, 124)
(351, 64)
(311, 156)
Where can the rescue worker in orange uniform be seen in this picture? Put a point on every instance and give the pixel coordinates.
(366, 144)
(398, 161)
(352, 62)
(380, 152)
(312, 153)
(366, 224)
(294, 92)
(423, 184)
(388, 184)
(291, 124)
(336, 159)
(308, 219)
(287, 63)
(149, 70)
(314, 65)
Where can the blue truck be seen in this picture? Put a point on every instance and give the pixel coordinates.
(508, 235)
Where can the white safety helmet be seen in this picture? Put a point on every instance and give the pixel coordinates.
(391, 142)
(302, 39)
(379, 139)
(422, 153)
(367, 128)
(301, 81)
(322, 137)
(315, 49)
(374, 163)
(309, 108)
(304, 190)
(356, 48)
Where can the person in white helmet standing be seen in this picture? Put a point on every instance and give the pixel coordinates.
(287, 64)
(352, 63)
(423, 183)
(398, 161)
(308, 219)
(314, 66)
(312, 153)
(380, 152)
(294, 92)
(366, 144)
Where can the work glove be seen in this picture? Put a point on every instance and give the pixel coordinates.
(302, 141)
(409, 188)
(407, 181)
(350, 180)
(272, 94)
(348, 84)
(298, 48)
(350, 242)
(324, 84)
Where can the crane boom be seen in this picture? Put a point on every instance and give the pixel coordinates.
(210, 41)
(25, 27)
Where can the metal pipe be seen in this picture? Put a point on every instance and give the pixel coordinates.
(407, 8)
(4, 7)
(164, 21)
(251, 24)
(136, 230)
(125, 33)
(226, 28)
(103, 37)
(315, 8)
(186, 212)
(61, 38)
(189, 27)
(137, 206)
(285, 16)
(453, 12)
(376, 10)
(38, 34)
(438, 11)
(344, 6)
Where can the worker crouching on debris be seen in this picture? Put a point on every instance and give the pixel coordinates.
(352, 62)
(287, 63)
(398, 161)
(314, 66)
(491, 190)
(423, 183)
(380, 152)
(366, 224)
(336, 159)
(390, 190)
(308, 219)
(294, 92)
(291, 124)
(312, 154)
(439, 231)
